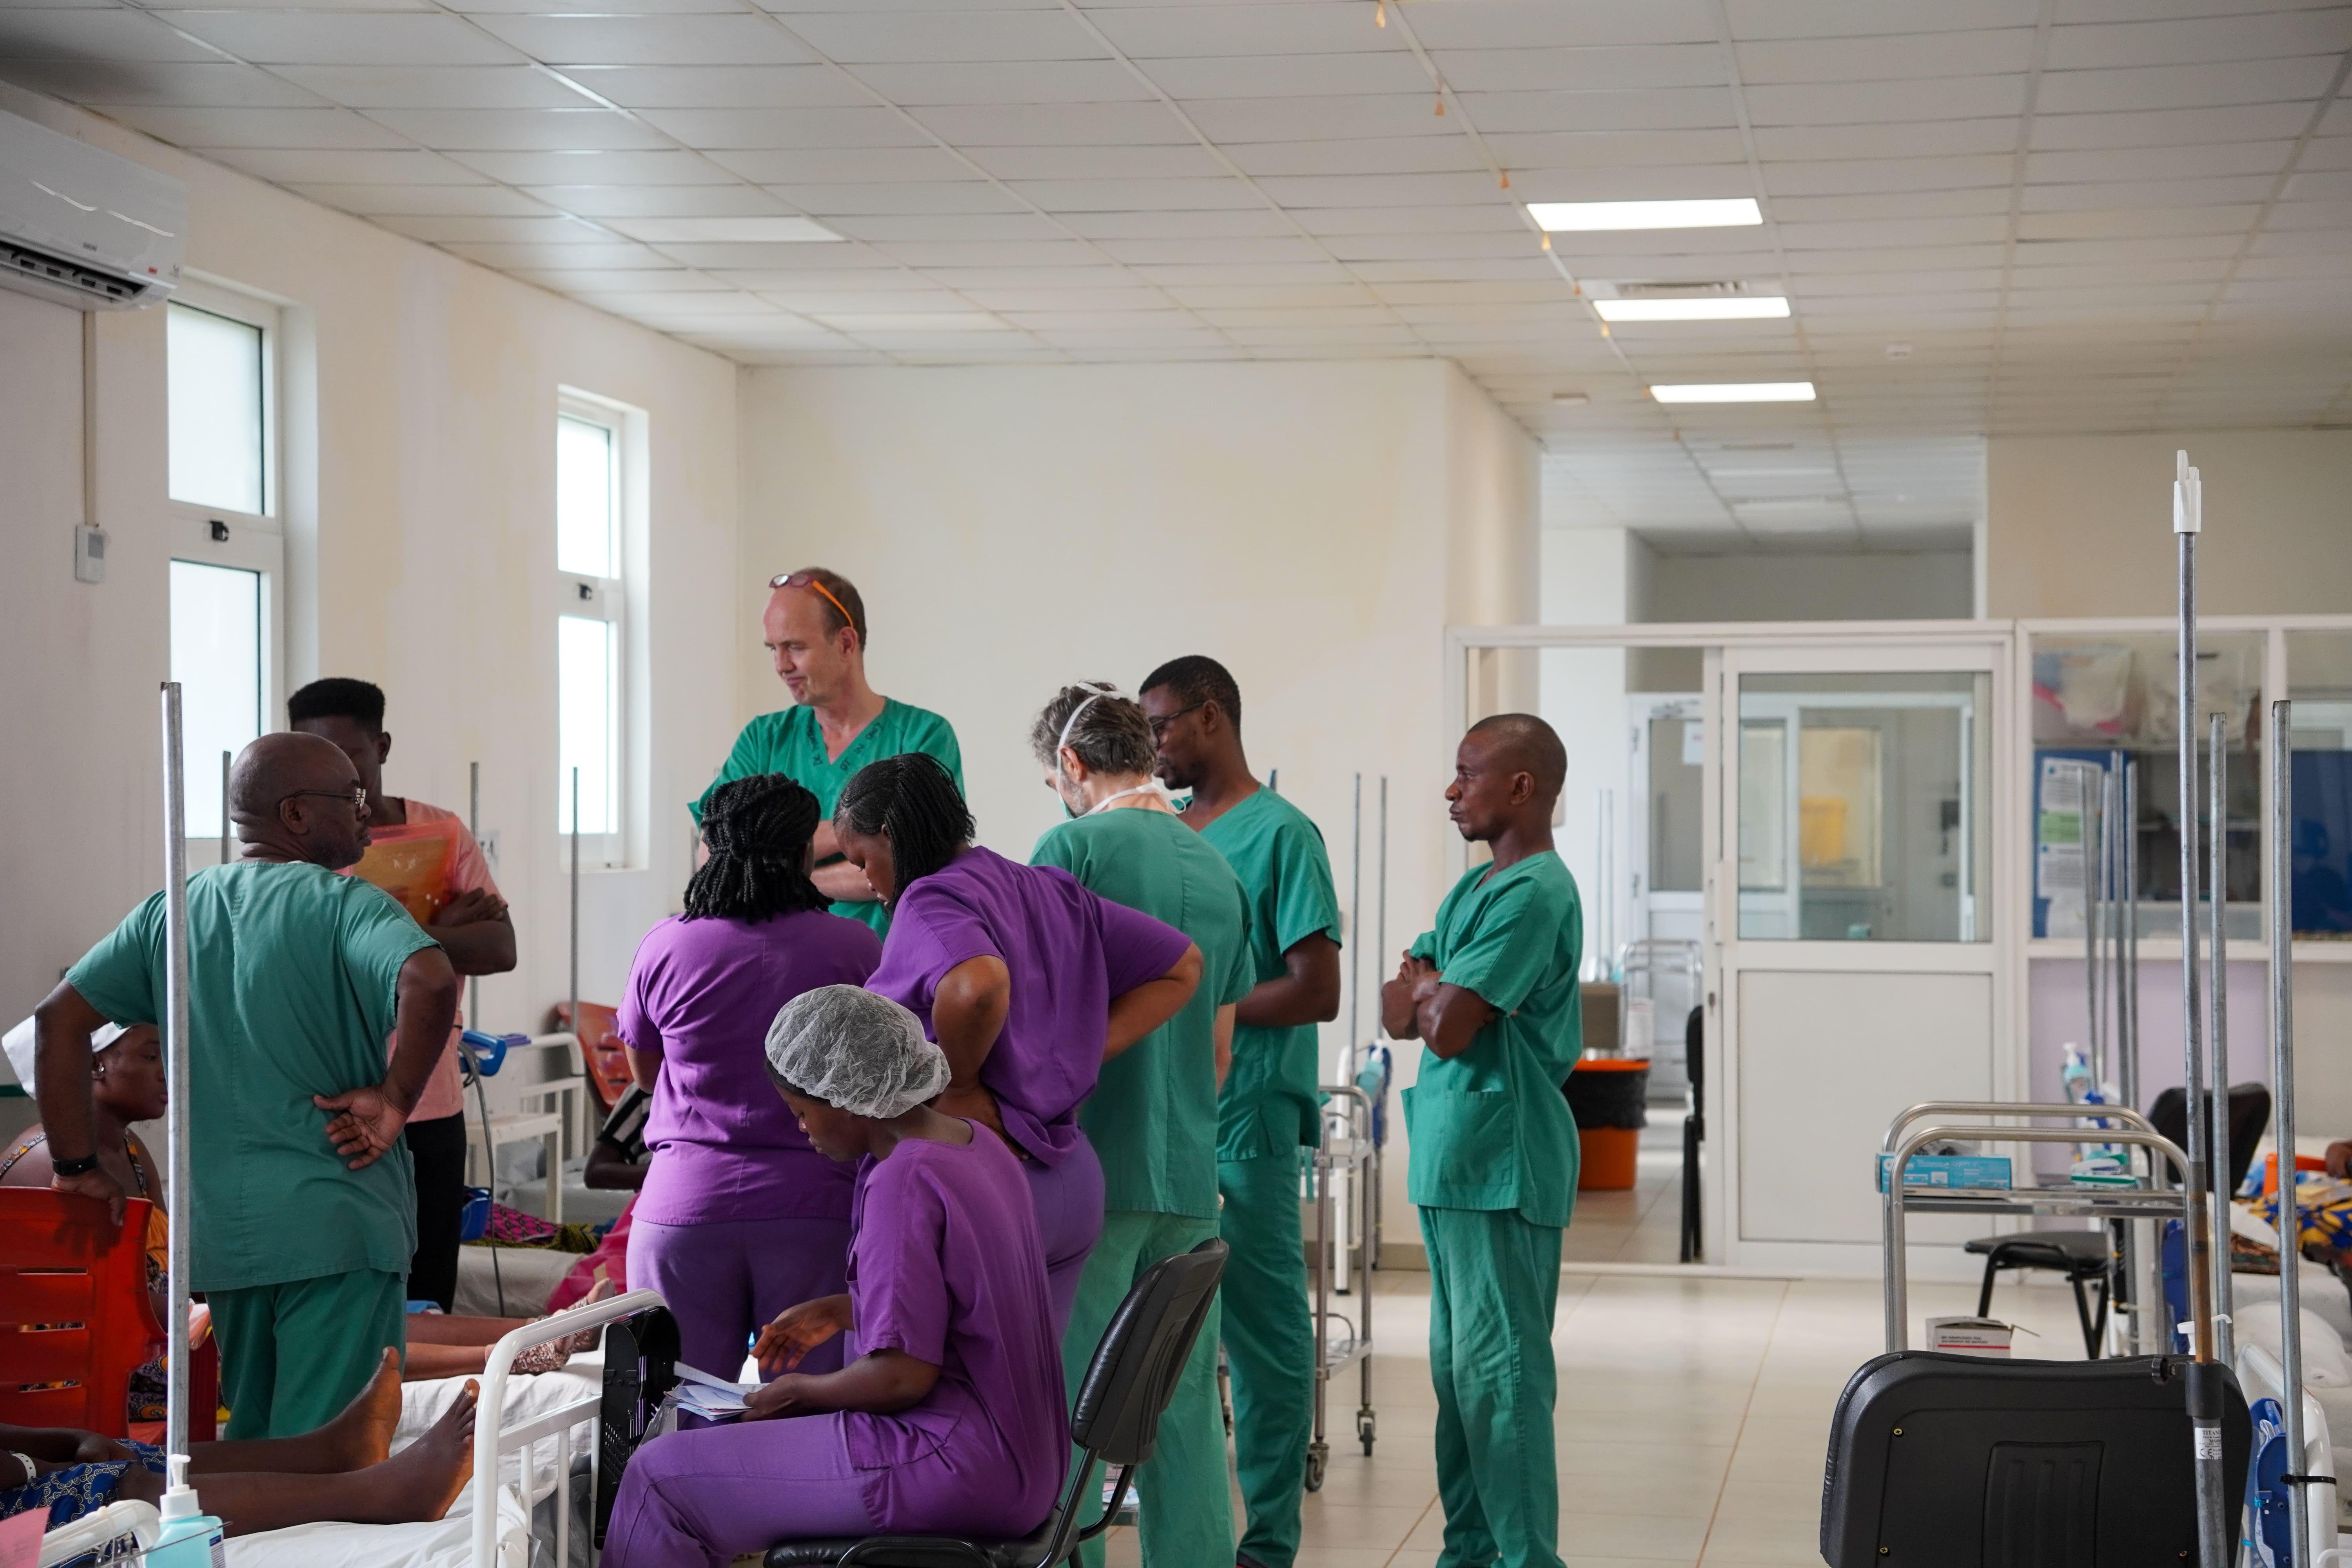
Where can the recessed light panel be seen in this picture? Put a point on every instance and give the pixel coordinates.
(1736, 392)
(1719, 308)
(1569, 217)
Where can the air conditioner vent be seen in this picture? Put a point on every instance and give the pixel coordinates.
(1679, 291)
(33, 264)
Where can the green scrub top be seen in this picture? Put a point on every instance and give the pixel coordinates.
(1152, 1117)
(790, 743)
(1271, 1104)
(291, 975)
(1491, 1128)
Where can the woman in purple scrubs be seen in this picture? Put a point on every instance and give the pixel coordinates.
(1027, 980)
(949, 1416)
(738, 1217)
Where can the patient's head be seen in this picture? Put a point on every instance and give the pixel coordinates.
(844, 1057)
(127, 1077)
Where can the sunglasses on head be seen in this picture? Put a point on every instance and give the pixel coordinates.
(808, 580)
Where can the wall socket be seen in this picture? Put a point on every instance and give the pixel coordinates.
(89, 554)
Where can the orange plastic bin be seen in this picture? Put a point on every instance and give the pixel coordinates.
(1610, 1113)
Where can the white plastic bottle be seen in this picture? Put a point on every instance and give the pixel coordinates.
(190, 1538)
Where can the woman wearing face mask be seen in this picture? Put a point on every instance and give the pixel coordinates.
(1028, 983)
(1154, 1113)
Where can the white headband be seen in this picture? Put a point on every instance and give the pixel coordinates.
(1097, 691)
(24, 1049)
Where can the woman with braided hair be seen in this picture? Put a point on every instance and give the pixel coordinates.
(738, 1217)
(1027, 982)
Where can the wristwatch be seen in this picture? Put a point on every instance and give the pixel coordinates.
(73, 1167)
(32, 1471)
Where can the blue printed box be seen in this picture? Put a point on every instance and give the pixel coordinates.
(1980, 1171)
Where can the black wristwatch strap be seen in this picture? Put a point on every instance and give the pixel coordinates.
(73, 1167)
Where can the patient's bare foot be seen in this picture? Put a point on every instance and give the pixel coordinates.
(361, 1434)
(423, 1479)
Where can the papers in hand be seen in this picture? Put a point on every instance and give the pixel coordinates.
(710, 1398)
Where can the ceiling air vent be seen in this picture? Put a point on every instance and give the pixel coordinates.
(1678, 290)
(15, 261)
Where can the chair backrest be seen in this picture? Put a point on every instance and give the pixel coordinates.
(600, 1055)
(1135, 1367)
(2249, 1113)
(74, 1310)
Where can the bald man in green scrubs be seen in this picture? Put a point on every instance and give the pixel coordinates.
(1492, 995)
(1153, 1116)
(1270, 1108)
(814, 628)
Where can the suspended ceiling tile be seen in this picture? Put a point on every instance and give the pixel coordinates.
(1112, 162)
(1752, 19)
(723, 87)
(659, 201)
(373, 201)
(2121, 164)
(309, 129)
(1584, 68)
(924, 226)
(1030, 82)
(1887, 56)
(906, 197)
(743, 39)
(843, 166)
(2169, 127)
(1341, 118)
(624, 280)
(766, 130)
(1616, 150)
(436, 87)
(103, 84)
(1253, 222)
(285, 166)
(861, 36)
(525, 255)
(345, 37)
(519, 130)
(597, 168)
(92, 36)
(1538, 24)
(1138, 195)
(1055, 124)
(1319, 27)
(1289, 76)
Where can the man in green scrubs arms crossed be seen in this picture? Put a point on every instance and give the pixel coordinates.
(302, 1210)
(1269, 1108)
(1491, 994)
(814, 628)
(1153, 1116)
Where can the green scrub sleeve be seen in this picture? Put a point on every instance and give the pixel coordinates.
(1425, 947)
(749, 756)
(1510, 953)
(378, 938)
(1240, 969)
(1304, 900)
(939, 739)
(117, 975)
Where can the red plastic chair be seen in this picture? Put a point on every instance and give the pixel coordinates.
(65, 1266)
(600, 1052)
(2269, 1169)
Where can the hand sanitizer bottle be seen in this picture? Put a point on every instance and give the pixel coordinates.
(191, 1538)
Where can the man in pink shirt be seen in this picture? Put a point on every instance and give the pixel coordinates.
(424, 857)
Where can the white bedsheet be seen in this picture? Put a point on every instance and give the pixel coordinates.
(447, 1543)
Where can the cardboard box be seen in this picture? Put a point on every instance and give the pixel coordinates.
(1987, 1172)
(1968, 1336)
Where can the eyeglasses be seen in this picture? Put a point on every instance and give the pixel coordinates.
(1160, 725)
(356, 796)
(808, 580)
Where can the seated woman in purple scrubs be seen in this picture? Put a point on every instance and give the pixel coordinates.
(738, 1217)
(949, 1416)
(1028, 982)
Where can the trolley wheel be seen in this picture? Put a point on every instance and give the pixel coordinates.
(1319, 1457)
(1366, 1429)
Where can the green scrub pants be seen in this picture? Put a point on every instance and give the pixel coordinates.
(1187, 1511)
(293, 1355)
(1269, 1349)
(1494, 1283)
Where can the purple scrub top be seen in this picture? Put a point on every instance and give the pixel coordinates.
(702, 996)
(946, 1265)
(1070, 952)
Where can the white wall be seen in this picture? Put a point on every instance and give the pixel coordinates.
(1829, 586)
(2081, 525)
(1586, 578)
(1013, 527)
(432, 565)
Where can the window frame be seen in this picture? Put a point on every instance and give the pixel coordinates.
(587, 597)
(226, 537)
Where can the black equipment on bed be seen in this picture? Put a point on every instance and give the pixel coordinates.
(640, 1367)
(1114, 1421)
(1694, 1131)
(2250, 1117)
(1954, 1461)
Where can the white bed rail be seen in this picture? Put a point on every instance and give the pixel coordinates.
(2261, 1377)
(493, 1439)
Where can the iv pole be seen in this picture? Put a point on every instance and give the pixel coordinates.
(176, 1067)
(2282, 1110)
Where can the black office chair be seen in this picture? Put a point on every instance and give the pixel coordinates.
(1695, 1132)
(1116, 1422)
(2087, 1257)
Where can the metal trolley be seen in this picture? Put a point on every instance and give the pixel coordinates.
(1344, 1178)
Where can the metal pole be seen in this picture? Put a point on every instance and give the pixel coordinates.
(2217, 1028)
(2281, 935)
(2088, 778)
(1355, 928)
(2205, 1374)
(2139, 1257)
(176, 1067)
(575, 903)
(474, 828)
(227, 758)
(1382, 918)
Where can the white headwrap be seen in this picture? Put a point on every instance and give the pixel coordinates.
(22, 1048)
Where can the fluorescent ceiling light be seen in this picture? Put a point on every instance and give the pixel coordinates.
(1715, 308)
(1736, 392)
(719, 230)
(1569, 216)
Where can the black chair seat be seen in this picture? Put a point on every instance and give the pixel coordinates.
(2074, 1252)
(913, 1552)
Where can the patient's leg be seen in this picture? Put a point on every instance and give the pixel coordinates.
(419, 1482)
(360, 1437)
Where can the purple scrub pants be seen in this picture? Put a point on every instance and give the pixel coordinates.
(701, 1499)
(1069, 1199)
(724, 1280)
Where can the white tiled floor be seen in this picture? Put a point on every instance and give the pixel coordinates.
(1693, 1413)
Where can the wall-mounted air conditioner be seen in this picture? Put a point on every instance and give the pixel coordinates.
(83, 227)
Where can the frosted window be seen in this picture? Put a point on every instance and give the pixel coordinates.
(585, 501)
(216, 659)
(216, 412)
(583, 667)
